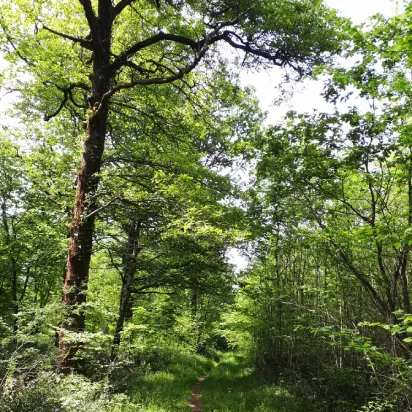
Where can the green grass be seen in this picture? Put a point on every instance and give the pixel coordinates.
(169, 390)
(233, 387)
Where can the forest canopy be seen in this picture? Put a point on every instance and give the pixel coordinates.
(136, 160)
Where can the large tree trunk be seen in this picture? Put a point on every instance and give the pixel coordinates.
(80, 243)
(83, 217)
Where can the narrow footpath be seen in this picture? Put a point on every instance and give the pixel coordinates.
(234, 386)
(195, 401)
(197, 384)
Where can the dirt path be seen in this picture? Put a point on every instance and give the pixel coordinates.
(195, 402)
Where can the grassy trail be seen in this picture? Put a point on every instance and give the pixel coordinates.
(230, 386)
(169, 390)
(233, 387)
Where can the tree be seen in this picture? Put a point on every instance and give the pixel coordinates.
(93, 53)
(164, 187)
(12, 180)
(31, 230)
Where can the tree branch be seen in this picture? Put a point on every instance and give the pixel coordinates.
(62, 104)
(10, 40)
(26, 281)
(83, 42)
(278, 58)
(67, 94)
(345, 259)
(92, 20)
(121, 6)
(102, 207)
(149, 81)
(157, 38)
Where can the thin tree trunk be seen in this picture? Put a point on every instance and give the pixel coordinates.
(129, 270)
(14, 295)
(13, 267)
(404, 268)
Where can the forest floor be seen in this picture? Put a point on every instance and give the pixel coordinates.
(202, 385)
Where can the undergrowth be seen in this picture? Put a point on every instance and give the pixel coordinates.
(234, 386)
(169, 390)
(162, 383)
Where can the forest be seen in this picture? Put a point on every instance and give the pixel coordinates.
(137, 170)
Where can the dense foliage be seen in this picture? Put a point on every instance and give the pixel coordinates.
(133, 163)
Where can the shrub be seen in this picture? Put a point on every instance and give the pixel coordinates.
(50, 392)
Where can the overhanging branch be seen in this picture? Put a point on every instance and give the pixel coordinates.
(83, 42)
(149, 81)
(278, 58)
(11, 42)
(120, 7)
(157, 38)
